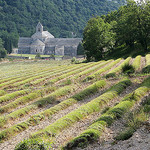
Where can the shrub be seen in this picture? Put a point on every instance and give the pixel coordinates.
(146, 69)
(66, 82)
(110, 75)
(33, 144)
(124, 135)
(73, 60)
(38, 55)
(128, 69)
(3, 53)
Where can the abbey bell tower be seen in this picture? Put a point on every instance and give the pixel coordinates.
(39, 28)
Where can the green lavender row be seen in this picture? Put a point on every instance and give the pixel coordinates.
(103, 69)
(25, 99)
(136, 63)
(81, 69)
(13, 95)
(119, 68)
(35, 119)
(83, 111)
(95, 130)
(101, 64)
(146, 69)
(40, 103)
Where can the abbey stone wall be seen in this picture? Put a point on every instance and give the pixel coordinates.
(44, 42)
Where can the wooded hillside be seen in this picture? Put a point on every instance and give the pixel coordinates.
(63, 18)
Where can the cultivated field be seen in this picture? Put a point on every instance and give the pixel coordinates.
(72, 105)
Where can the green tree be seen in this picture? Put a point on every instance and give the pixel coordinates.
(80, 49)
(3, 52)
(97, 38)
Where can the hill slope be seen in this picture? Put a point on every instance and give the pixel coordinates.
(60, 17)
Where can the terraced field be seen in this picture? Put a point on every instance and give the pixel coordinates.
(67, 106)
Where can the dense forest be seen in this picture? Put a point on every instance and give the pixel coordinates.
(63, 18)
(120, 33)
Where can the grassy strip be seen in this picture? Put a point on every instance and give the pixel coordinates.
(101, 64)
(40, 103)
(95, 130)
(78, 114)
(35, 119)
(136, 63)
(119, 68)
(103, 69)
(146, 69)
(26, 99)
(10, 96)
(2, 92)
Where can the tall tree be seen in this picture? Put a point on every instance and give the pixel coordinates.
(97, 38)
(3, 52)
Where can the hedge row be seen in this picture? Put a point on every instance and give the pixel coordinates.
(33, 120)
(78, 114)
(103, 69)
(95, 130)
(40, 103)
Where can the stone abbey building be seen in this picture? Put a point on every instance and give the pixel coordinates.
(45, 43)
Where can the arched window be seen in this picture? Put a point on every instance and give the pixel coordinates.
(36, 50)
(39, 29)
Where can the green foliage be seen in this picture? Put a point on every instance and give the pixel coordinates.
(73, 60)
(80, 49)
(124, 135)
(128, 69)
(38, 56)
(146, 69)
(126, 29)
(97, 36)
(3, 52)
(110, 75)
(33, 144)
(137, 62)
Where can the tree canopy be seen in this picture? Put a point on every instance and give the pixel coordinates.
(128, 27)
(2, 50)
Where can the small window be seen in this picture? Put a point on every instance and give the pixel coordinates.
(36, 50)
(39, 29)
